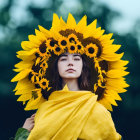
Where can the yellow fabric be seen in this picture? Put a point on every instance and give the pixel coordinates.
(72, 115)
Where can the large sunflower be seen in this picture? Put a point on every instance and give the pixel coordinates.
(68, 35)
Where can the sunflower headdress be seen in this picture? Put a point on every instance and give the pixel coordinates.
(74, 38)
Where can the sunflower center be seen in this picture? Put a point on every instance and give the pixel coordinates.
(71, 39)
(43, 83)
(44, 64)
(63, 43)
(72, 48)
(42, 47)
(36, 54)
(91, 50)
(79, 47)
(52, 43)
(57, 49)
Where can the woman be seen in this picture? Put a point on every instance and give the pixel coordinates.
(82, 83)
(71, 68)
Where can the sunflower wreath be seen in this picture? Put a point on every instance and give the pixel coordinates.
(74, 38)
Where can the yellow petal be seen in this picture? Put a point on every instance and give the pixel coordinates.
(106, 37)
(23, 84)
(40, 35)
(82, 25)
(106, 104)
(71, 21)
(63, 24)
(34, 40)
(21, 75)
(98, 33)
(118, 90)
(32, 51)
(110, 99)
(24, 64)
(34, 104)
(25, 90)
(25, 97)
(27, 45)
(113, 94)
(18, 70)
(92, 26)
(37, 61)
(117, 73)
(45, 31)
(117, 82)
(117, 64)
(26, 57)
(110, 49)
(112, 57)
(56, 21)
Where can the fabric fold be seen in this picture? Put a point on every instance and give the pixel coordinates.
(64, 115)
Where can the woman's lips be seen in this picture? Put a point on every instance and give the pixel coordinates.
(70, 70)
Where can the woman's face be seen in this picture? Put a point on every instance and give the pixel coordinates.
(70, 65)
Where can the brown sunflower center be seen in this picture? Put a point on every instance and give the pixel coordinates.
(79, 47)
(91, 50)
(57, 49)
(43, 83)
(52, 43)
(63, 43)
(72, 48)
(71, 39)
(42, 47)
(36, 54)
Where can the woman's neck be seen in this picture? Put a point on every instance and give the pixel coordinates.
(71, 83)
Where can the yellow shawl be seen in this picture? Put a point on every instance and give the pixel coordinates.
(72, 115)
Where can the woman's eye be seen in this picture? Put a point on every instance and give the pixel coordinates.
(63, 59)
(77, 59)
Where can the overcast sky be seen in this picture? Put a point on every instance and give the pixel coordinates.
(130, 11)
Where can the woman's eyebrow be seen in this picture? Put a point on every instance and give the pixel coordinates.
(77, 55)
(64, 55)
(73, 55)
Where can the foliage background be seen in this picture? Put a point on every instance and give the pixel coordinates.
(19, 18)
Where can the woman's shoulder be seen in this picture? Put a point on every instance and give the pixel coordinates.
(100, 113)
(99, 108)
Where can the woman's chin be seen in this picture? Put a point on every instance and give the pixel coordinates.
(71, 75)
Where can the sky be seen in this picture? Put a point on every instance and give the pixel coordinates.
(130, 13)
(128, 9)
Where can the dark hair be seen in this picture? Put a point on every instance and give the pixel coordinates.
(86, 80)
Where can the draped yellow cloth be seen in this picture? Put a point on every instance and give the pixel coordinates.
(72, 115)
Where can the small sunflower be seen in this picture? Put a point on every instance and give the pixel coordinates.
(91, 50)
(35, 79)
(63, 42)
(80, 47)
(44, 83)
(33, 76)
(51, 44)
(42, 72)
(42, 49)
(44, 65)
(72, 48)
(58, 50)
(72, 38)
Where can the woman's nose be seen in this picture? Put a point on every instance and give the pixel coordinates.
(70, 62)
